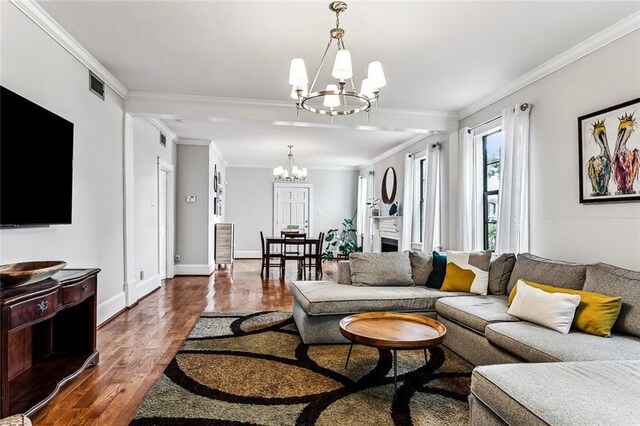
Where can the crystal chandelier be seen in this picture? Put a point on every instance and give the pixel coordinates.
(341, 98)
(290, 172)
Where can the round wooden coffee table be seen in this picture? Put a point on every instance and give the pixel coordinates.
(394, 331)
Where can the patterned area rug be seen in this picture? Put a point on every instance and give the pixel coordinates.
(253, 369)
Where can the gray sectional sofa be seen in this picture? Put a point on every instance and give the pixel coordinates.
(525, 374)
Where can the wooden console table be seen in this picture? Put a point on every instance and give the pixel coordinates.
(48, 337)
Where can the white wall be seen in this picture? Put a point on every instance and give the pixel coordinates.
(249, 200)
(195, 222)
(146, 151)
(36, 67)
(397, 162)
(561, 227)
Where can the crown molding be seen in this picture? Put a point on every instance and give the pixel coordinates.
(42, 19)
(593, 43)
(396, 149)
(198, 142)
(158, 124)
(269, 104)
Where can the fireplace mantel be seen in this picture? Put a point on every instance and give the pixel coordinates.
(385, 227)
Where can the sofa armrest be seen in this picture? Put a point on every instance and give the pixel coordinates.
(344, 272)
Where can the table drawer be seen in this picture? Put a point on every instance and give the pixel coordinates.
(32, 310)
(78, 291)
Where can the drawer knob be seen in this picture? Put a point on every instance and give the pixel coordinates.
(84, 288)
(42, 306)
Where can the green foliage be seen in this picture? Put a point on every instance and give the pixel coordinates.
(342, 241)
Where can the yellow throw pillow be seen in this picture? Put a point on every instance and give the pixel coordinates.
(457, 279)
(595, 314)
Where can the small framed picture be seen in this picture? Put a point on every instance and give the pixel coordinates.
(215, 206)
(608, 151)
(215, 184)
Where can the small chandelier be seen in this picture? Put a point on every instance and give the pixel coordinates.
(290, 172)
(340, 98)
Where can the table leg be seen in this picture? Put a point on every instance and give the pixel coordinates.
(395, 372)
(348, 356)
(425, 355)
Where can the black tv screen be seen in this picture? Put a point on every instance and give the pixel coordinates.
(36, 163)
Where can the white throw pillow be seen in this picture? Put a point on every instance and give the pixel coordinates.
(551, 310)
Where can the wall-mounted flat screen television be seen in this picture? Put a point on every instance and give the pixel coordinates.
(36, 164)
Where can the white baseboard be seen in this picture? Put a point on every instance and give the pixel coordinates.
(146, 286)
(204, 269)
(111, 306)
(248, 255)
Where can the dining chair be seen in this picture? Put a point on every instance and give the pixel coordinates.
(313, 258)
(270, 259)
(295, 250)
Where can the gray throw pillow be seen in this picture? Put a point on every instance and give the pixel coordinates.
(547, 271)
(421, 266)
(500, 270)
(614, 281)
(381, 269)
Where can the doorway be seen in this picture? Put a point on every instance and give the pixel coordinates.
(292, 205)
(166, 204)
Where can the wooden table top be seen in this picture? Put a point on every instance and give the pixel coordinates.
(393, 330)
(282, 240)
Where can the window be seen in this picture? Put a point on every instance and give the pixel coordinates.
(419, 181)
(491, 148)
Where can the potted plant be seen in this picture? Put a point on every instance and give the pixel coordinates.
(343, 241)
(373, 206)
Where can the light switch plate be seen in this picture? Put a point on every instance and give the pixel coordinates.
(191, 198)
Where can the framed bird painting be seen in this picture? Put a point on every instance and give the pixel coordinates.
(608, 150)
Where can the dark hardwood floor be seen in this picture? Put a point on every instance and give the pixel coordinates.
(137, 345)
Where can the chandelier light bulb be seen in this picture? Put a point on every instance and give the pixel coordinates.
(375, 75)
(331, 101)
(298, 73)
(342, 65)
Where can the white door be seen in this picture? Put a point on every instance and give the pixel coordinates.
(292, 207)
(162, 224)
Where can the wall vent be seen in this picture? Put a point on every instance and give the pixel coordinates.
(163, 140)
(96, 86)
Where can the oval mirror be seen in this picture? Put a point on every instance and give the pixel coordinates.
(389, 186)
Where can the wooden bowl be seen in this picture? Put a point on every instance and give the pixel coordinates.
(19, 274)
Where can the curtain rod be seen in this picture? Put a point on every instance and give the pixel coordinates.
(523, 107)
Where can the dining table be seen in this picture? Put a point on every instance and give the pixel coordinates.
(280, 241)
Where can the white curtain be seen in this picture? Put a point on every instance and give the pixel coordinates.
(407, 203)
(362, 220)
(513, 204)
(431, 195)
(466, 201)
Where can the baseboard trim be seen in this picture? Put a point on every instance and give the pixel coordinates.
(248, 255)
(147, 286)
(193, 269)
(111, 307)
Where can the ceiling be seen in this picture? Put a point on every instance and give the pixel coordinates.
(441, 55)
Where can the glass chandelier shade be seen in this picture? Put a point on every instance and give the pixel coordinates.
(289, 172)
(341, 98)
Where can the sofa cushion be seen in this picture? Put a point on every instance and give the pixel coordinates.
(439, 270)
(552, 310)
(500, 270)
(534, 343)
(579, 393)
(344, 272)
(474, 312)
(380, 269)
(614, 281)
(595, 314)
(421, 266)
(330, 298)
(547, 271)
(467, 271)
